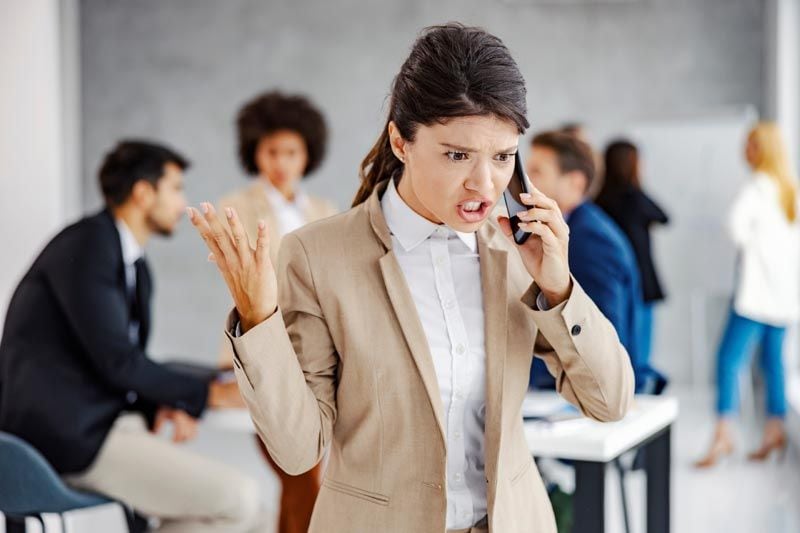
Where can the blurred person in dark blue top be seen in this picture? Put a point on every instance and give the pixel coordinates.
(622, 197)
(600, 256)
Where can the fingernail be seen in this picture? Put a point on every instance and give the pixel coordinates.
(190, 213)
(261, 224)
(210, 258)
(204, 207)
(229, 212)
(525, 196)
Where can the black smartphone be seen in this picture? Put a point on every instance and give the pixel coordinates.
(517, 186)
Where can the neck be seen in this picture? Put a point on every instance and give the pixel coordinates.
(286, 189)
(407, 194)
(136, 222)
(569, 207)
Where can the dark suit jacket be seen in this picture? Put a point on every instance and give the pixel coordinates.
(634, 212)
(67, 365)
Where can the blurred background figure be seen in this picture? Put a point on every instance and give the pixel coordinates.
(763, 224)
(78, 383)
(282, 140)
(622, 198)
(579, 131)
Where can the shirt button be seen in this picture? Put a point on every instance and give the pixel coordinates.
(448, 304)
(457, 477)
(131, 397)
(460, 349)
(576, 330)
(439, 261)
(457, 434)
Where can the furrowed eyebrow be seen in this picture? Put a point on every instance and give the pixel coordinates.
(509, 150)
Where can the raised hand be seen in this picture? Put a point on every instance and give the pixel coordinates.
(546, 255)
(248, 272)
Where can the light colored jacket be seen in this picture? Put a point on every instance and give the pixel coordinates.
(768, 277)
(344, 364)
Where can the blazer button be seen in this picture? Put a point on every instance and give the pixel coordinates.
(576, 330)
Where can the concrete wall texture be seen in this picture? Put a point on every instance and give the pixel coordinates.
(177, 71)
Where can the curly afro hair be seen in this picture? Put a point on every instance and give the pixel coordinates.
(273, 111)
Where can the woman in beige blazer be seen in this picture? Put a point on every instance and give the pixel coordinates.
(400, 334)
(282, 140)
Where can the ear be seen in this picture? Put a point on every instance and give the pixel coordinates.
(142, 193)
(398, 144)
(578, 181)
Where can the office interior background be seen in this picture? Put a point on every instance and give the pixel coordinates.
(684, 79)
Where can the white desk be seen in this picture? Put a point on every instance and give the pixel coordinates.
(592, 446)
(586, 440)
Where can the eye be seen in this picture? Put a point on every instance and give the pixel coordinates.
(457, 156)
(504, 158)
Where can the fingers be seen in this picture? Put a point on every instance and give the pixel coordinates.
(221, 236)
(262, 244)
(537, 199)
(552, 218)
(549, 240)
(240, 240)
(161, 417)
(214, 245)
(505, 225)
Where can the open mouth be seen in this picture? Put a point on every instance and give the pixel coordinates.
(474, 210)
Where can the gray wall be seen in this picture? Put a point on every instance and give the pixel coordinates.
(177, 70)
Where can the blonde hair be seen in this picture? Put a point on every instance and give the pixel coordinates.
(773, 160)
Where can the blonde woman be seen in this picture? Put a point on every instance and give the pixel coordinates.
(763, 224)
(282, 140)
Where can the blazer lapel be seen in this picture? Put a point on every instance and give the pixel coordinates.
(495, 304)
(405, 309)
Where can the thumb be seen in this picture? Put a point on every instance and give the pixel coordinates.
(505, 226)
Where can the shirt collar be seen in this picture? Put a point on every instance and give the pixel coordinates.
(131, 250)
(410, 228)
(277, 199)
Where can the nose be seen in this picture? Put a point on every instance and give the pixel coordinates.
(480, 179)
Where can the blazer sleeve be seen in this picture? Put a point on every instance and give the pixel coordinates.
(287, 368)
(581, 350)
(86, 288)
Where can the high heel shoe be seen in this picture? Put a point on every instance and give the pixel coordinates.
(777, 444)
(719, 450)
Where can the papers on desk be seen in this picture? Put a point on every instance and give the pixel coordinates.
(548, 408)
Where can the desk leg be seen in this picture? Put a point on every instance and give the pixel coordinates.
(589, 502)
(657, 465)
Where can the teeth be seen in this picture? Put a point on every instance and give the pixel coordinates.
(472, 206)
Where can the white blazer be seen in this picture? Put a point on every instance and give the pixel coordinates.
(768, 280)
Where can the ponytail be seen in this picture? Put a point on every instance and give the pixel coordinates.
(379, 165)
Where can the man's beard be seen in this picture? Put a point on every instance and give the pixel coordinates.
(157, 228)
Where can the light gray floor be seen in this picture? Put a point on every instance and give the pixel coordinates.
(735, 497)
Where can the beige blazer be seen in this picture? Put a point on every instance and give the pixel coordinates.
(251, 204)
(345, 364)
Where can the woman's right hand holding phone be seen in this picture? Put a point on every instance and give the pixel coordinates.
(248, 272)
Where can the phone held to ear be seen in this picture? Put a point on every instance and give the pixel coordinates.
(517, 186)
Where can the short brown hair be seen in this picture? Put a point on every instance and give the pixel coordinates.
(572, 153)
(273, 111)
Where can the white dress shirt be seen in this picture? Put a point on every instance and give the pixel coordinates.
(131, 252)
(290, 215)
(442, 270)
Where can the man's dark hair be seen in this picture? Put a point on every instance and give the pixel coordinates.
(274, 111)
(571, 128)
(131, 161)
(572, 153)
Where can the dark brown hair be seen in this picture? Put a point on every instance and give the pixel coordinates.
(622, 169)
(572, 153)
(273, 111)
(131, 161)
(452, 71)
